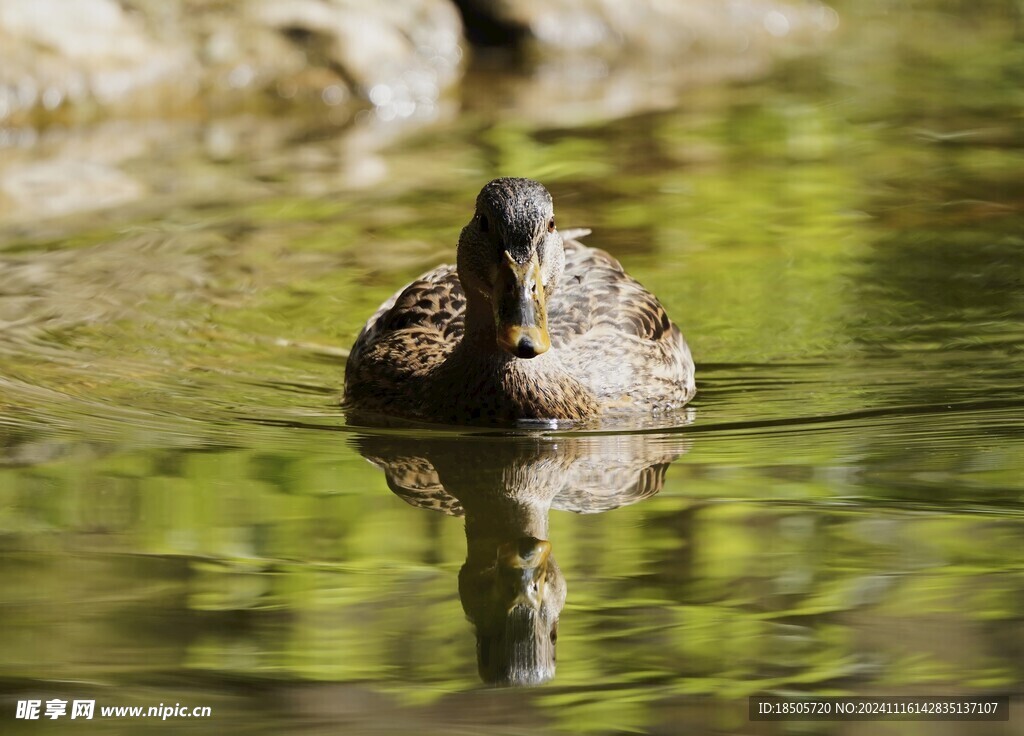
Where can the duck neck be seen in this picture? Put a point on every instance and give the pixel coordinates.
(505, 492)
(481, 337)
(483, 382)
(494, 518)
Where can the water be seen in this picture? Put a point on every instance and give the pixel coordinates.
(186, 517)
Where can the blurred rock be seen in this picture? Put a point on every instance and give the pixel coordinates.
(599, 59)
(204, 73)
(651, 27)
(397, 54)
(84, 52)
(74, 60)
(78, 59)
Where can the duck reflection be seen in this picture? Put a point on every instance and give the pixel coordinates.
(511, 587)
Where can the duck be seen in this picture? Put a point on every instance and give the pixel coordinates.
(512, 589)
(528, 324)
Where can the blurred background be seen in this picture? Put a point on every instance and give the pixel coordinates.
(201, 202)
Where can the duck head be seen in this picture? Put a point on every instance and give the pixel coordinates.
(510, 258)
(514, 606)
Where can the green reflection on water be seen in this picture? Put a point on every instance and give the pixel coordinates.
(842, 246)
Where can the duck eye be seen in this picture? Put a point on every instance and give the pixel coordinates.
(551, 225)
(485, 226)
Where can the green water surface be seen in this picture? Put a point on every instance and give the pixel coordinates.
(186, 517)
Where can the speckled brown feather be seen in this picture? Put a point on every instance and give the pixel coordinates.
(613, 349)
(581, 475)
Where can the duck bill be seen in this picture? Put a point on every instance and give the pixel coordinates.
(520, 314)
(523, 571)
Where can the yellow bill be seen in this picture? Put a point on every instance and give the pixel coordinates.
(520, 314)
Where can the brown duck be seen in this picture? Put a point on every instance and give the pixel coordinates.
(512, 588)
(530, 324)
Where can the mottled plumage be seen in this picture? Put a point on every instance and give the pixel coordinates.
(584, 475)
(439, 349)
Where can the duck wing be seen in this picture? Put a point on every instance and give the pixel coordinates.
(614, 335)
(409, 334)
(595, 293)
(414, 480)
